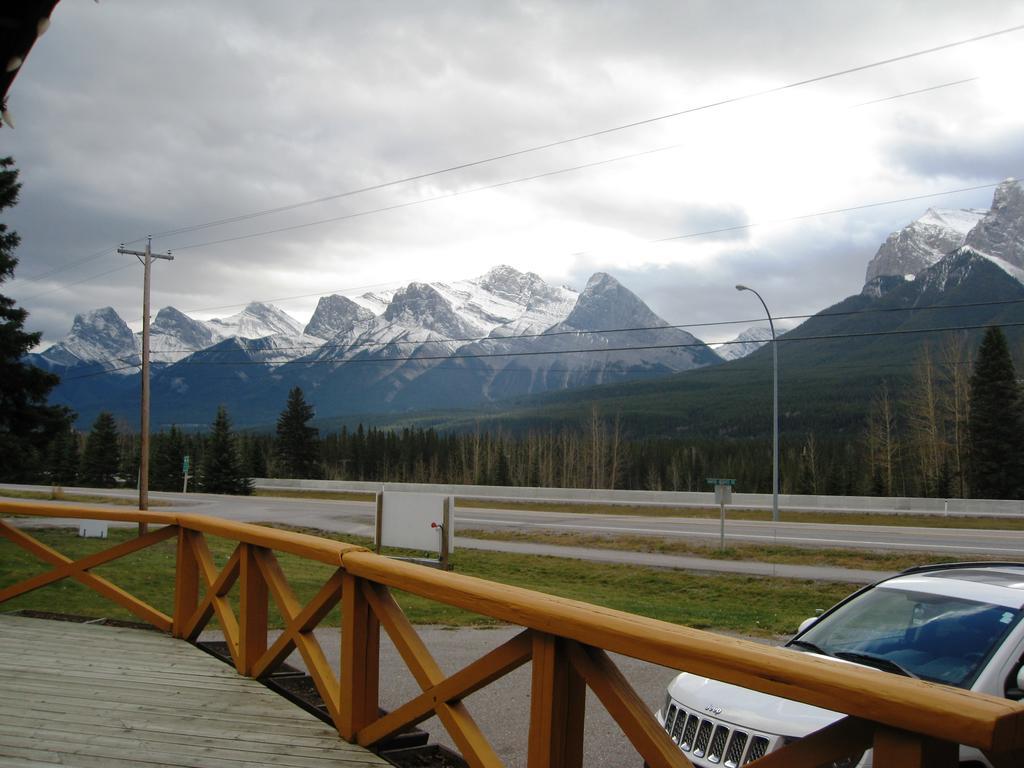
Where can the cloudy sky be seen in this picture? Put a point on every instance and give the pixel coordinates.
(137, 117)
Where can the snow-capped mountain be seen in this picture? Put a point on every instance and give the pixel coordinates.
(610, 335)
(923, 242)
(749, 341)
(502, 302)
(99, 337)
(1001, 232)
(174, 335)
(256, 321)
(336, 314)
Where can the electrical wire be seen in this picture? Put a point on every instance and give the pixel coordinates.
(603, 331)
(594, 134)
(556, 353)
(461, 166)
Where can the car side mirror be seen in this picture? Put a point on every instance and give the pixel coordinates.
(1017, 693)
(806, 623)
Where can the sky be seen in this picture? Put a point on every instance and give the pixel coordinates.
(136, 117)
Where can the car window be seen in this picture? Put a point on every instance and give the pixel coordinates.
(934, 637)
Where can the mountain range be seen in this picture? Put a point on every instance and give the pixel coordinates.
(491, 341)
(422, 345)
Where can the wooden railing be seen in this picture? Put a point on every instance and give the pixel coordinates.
(909, 723)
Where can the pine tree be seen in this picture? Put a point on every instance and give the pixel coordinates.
(27, 423)
(297, 451)
(254, 461)
(221, 469)
(101, 458)
(996, 440)
(165, 472)
(63, 458)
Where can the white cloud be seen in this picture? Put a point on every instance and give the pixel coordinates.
(138, 118)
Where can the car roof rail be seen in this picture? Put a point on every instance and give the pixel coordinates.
(968, 564)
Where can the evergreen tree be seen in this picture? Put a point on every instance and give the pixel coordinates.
(165, 471)
(63, 458)
(254, 461)
(297, 450)
(221, 469)
(101, 458)
(996, 440)
(27, 423)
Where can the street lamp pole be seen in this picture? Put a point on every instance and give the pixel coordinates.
(775, 405)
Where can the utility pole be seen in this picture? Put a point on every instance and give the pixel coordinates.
(146, 258)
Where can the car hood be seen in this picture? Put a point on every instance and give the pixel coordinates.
(749, 710)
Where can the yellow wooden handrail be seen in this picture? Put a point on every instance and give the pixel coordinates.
(908, 722)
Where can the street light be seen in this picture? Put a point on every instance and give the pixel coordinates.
(775, 405)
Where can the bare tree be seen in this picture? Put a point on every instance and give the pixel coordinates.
(956, 370)
(925, 422)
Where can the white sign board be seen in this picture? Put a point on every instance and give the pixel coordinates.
(414, 521)
(92, 529)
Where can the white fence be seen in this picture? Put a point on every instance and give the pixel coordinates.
(789, 502)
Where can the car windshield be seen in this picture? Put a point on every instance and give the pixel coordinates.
(933, 637)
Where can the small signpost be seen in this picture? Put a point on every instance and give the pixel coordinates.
(723, 496)
(184, 473)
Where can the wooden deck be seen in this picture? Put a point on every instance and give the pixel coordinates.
(88, 695)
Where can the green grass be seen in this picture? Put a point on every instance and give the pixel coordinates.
(764, 553)
(831, 518)
(736, 603)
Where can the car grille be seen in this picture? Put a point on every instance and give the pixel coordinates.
(712, 740)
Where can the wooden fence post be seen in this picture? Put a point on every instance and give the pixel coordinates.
(252, 639)
(902, 749)
(186, 583)
(557, 707)
(360, 660)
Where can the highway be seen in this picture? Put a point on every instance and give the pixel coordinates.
(357, 518)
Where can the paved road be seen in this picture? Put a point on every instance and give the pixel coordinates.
(357, 518)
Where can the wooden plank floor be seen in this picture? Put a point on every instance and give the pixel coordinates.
(88, 695)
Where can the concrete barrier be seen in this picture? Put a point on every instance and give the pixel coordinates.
(789, 502)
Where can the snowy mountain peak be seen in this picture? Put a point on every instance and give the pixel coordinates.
(99, 336)
(512, 284)
(747, 342)
(923, 242)
(420, 305)
(175, 323)
(1001, 232)
(174, 335)
(605, 304)
(256, 321)
(336, 314)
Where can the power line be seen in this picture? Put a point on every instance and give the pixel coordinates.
(407, 204)
(829, 212)
(537, 148)
(547, 334)
(915, 93)
(594, 134)
(555, 353)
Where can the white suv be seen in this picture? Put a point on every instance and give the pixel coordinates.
(957, 624)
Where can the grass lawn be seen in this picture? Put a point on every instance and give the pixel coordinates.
(764, 553)
(736, 603)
